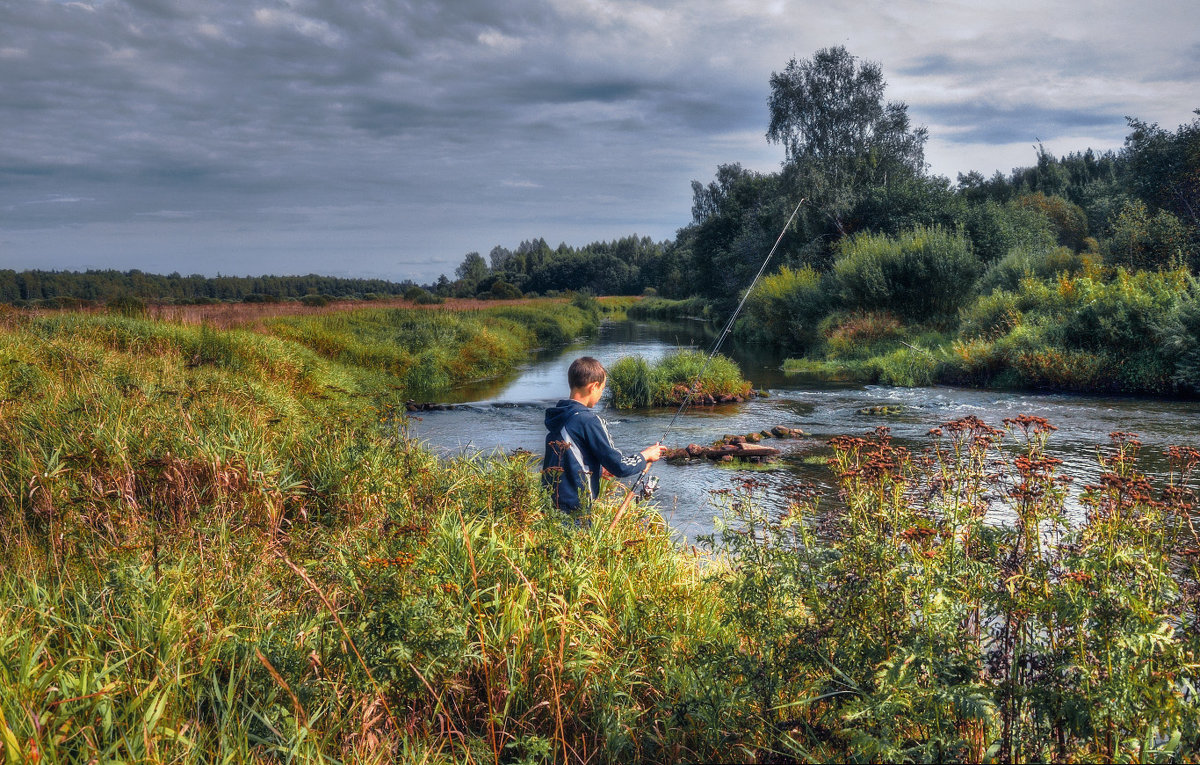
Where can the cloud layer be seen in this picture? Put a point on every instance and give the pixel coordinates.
(388, 137)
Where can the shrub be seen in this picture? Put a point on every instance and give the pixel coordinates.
(1021, 263)
(504, 291)
(421, 296)
(315, 301)
(1181, 343)
(859, 335)
(996, 229)
(127, 305)
(1141, 239)
(785, 309)
(922, 274)
(1069, 219)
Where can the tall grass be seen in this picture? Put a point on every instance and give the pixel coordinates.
(637, 383)
(222, 546)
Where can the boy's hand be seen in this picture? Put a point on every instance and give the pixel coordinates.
(653, 453)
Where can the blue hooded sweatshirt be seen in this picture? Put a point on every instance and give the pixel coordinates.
(577, 446)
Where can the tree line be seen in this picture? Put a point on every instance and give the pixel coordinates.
(858, 162)
(68, 288)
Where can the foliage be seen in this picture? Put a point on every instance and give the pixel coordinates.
(1148, 241)
(665, 309)
(902, 624)
(636, 383)
(1181, 342)
(997, 229)
(921, 274)
(785, 309)
(839, 134)
(1083, 333)
(1020, 263)
(1068, 219)
(315, 301)
(127, 305)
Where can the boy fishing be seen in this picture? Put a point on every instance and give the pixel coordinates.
(578, 445)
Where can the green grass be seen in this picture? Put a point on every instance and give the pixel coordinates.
(636, 383)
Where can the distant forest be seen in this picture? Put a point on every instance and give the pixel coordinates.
(67, 289)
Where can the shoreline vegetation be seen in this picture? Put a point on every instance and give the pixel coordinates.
(639, 384)
(222, 544)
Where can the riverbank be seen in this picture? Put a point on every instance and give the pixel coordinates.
(1095, 330)
(224, 543)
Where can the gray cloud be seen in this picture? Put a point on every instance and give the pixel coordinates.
(387, 137)
(1000, 124)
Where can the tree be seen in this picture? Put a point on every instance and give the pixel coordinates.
(499, 256)
(1165, 167)
(840, 135)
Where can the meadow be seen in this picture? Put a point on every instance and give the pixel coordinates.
(221, 544)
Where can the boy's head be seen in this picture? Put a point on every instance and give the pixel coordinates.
(587, 377)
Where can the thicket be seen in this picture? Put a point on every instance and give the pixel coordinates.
(952, 610)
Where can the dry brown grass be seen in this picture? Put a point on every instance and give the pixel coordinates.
(227, 315)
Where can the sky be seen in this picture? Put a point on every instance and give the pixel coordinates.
(387, 138)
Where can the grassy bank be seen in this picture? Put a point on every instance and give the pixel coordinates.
(220, 545)
(1119, 332)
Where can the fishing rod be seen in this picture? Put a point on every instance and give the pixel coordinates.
(692, 389)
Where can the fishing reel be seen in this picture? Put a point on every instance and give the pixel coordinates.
(649, 487)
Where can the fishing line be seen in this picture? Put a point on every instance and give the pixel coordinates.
(721, 337)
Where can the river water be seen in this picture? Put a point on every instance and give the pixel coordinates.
(506, 414)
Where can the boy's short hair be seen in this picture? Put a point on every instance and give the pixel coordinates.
(584, 371)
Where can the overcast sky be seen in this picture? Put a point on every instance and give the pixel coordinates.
(389, 137)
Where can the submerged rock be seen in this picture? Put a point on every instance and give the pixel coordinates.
(882, 410)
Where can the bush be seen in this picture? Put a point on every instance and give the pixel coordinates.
(1181, 343)
(127, 305)
(1069, 220)
(1144, 240)
(1125, 334)
(922, 274)
(1021, 263)
(502, 290)
(663, 309)
(785, 310)
(860, 335)
(315, 301)
(421, 296)
(258, 297)
(997, 229)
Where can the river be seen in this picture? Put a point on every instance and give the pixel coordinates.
(506, 414)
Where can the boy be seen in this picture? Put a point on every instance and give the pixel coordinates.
(578, 444)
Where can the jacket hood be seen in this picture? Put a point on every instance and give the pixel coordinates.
(557, 415)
